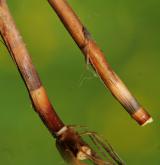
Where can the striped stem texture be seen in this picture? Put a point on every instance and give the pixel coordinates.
(98, 61)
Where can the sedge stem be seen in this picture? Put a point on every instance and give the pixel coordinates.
(97, 59)
(21, 57)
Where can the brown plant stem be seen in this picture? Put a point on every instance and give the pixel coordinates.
(69, 143)
(20, 55)
(97, 59)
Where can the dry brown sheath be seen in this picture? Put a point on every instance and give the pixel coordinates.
(20, 55)
(97, 59)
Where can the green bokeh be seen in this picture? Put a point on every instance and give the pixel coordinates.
(128, 31)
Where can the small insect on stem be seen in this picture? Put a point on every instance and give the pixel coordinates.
(69, 142)
(95, 56)
(96, 150)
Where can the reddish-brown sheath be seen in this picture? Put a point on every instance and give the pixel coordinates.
(20, 55)
(98, 61)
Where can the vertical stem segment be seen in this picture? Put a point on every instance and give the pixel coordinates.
(97, 59)
(20, 55)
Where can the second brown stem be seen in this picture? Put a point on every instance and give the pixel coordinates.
(98, 61)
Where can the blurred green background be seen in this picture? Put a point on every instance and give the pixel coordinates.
(128, 31)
